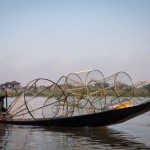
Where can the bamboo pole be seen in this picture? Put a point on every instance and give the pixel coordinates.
(6, 103)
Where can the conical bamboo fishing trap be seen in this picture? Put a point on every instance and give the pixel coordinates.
(79, 93)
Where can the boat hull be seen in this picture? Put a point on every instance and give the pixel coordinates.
(91, 120)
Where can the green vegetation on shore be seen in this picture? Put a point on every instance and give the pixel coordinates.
(59, 94)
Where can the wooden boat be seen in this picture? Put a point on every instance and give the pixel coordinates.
(91, 120)
(77, 102)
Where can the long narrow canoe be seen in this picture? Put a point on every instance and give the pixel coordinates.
(92, 120)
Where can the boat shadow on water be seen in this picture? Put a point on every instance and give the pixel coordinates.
(4, 134)
(103, 137)
(66, 138)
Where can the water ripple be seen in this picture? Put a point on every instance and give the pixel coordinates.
(38, 138)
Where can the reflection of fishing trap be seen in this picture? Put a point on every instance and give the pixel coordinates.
(77, 94)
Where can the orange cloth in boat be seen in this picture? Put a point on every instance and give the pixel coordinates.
(127, 104)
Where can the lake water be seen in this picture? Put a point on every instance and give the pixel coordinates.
(133, 134)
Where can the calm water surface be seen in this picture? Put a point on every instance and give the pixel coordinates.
(133, 134)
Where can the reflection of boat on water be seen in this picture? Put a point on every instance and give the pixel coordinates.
(78, 100)
(35, 137)
(98, 137)
(2, 130)
(4, 133)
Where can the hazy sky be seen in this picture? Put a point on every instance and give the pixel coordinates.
(51, 38)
